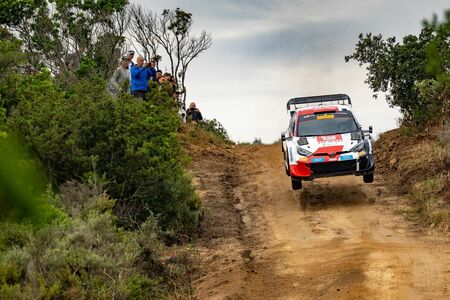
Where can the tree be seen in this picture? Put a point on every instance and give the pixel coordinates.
(11, 62)
(393, 67)
(61, 34)
(141, 31)
(12, 12)
(438, 50)
(398, 68)
(172, 31)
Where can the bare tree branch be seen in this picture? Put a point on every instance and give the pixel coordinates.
(172, 31)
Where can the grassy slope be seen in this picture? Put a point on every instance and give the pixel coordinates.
(417, 165)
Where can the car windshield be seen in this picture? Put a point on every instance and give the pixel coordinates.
(325, 124)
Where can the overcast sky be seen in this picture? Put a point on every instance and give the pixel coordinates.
(265, 52)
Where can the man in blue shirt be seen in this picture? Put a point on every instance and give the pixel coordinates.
(140, 75)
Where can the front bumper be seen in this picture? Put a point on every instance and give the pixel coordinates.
(309, 171)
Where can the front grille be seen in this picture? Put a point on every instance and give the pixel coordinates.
(327, 153)
(335, 166)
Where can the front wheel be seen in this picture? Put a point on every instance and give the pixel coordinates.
(296, 184)
(286, 165)
(368, 178)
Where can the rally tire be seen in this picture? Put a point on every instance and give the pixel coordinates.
(286, 165)
(296, 184)
(287, 168)
(368, 178)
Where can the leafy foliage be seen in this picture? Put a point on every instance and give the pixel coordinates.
(86, 256)
(12, 12)
(60, 33)
(22, 189)
(11, 58)
(66, 239)
(131, 143)
(216, 128)
(399, 68)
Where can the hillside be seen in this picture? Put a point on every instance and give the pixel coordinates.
(417, 165)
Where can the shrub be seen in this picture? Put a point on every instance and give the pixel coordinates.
(22, 187)
(131, 144)
(216, 128)
(434, 100)
(85, 256)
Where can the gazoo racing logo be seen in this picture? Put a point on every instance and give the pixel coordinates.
(329, 139)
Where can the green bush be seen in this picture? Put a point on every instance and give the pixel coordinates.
(10, 58)
(132, 144)
(216, 128)
(434, 100)
(22, 188)
(85, 256)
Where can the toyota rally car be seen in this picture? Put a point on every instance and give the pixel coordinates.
(324, 139)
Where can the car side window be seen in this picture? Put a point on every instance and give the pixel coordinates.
(291, 127)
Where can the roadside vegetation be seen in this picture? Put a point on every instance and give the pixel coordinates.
(415, 76)
(95, 201)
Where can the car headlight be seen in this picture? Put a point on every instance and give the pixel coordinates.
(303, 152)
(358, 147)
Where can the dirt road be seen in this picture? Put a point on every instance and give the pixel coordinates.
(336, 239)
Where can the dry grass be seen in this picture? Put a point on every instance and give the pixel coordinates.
(429, 200)
(195, 139)
(418, 166)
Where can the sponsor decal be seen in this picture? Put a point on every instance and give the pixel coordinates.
(329, 139)
(318, 159)
(325, 117)
(346, 157)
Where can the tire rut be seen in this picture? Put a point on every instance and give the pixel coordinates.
(336, 239)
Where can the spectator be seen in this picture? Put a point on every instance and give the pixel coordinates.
(130, 55)
(158, 75)
(162, 79)
(193, 113)
(152, 67)
(173, 86)
(167, 76)
(120, 78)
(140, 75)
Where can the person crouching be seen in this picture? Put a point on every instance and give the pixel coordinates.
(194, 113)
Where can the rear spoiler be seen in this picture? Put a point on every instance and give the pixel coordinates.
(342, 99)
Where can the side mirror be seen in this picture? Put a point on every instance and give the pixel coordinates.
(369, 131)
(283, 136)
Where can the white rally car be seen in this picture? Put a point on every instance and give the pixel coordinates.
(325, 139)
